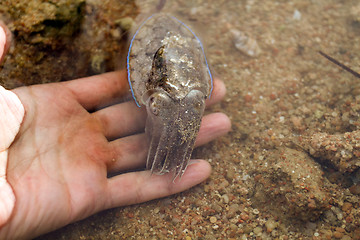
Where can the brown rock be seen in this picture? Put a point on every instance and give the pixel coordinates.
(338, 235)
(293, 184)
(346, 207)
(355, 189)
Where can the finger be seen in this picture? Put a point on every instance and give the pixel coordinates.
(5, 40)
(98, 91)
(218, 93)
(2, 42)
(121, 120)
(131, 152)
(125, 118)
(137, 187)
(212, 126)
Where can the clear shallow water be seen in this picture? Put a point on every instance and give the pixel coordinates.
(287, 91)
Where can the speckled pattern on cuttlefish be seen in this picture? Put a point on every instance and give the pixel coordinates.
(168, 73)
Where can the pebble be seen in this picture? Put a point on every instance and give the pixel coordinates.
(216, 207)
(339, 229)
(233, 227)
(125, 23)
(297, 15)
(115, 33)
(245, 44)
(224, 184)
(247, 229)
(270, 225)
(297, 122)
(346, 207)
(355, 189)
(338, 235)
(213, 219)
(153, 222)
(337, 212)
(244, 216)
(226, 199)
(230, 174)
(234, 207)
(97, 62)
(257, 231)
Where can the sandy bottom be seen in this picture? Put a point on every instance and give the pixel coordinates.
(290, 167)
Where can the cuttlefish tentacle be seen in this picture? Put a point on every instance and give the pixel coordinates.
(162, 152)
(183, 159)
(154, 142)
(172, 134)
(180, 170)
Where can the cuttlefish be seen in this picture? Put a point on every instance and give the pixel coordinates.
(168, 73)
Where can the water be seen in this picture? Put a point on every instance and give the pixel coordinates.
(287, 92)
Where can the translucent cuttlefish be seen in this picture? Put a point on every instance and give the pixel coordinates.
(168, 73)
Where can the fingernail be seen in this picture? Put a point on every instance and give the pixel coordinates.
(194, 161)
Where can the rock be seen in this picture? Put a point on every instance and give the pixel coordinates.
(341, 150)
(216, 207)
(125, 23)
(213, 219)
(225, 198)
(293, 184)
(346, 207)
(338, 235)
(156, 210)
(245, 44)
(233, 208)
(257, 231)
(355, 189)
(271, 225)
(62, 40)
(230, 174)
(297, 15)
(44, 22)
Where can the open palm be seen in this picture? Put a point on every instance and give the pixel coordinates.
(73, 135)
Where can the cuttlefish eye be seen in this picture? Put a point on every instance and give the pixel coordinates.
(154, 106)
(158, 101)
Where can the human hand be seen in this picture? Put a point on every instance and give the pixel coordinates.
(73, 135)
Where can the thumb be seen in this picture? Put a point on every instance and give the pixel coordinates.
(5, 38)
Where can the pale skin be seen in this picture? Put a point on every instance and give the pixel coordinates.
(74, 133)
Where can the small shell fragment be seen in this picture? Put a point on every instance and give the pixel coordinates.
(297, 15)
(245, 44)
